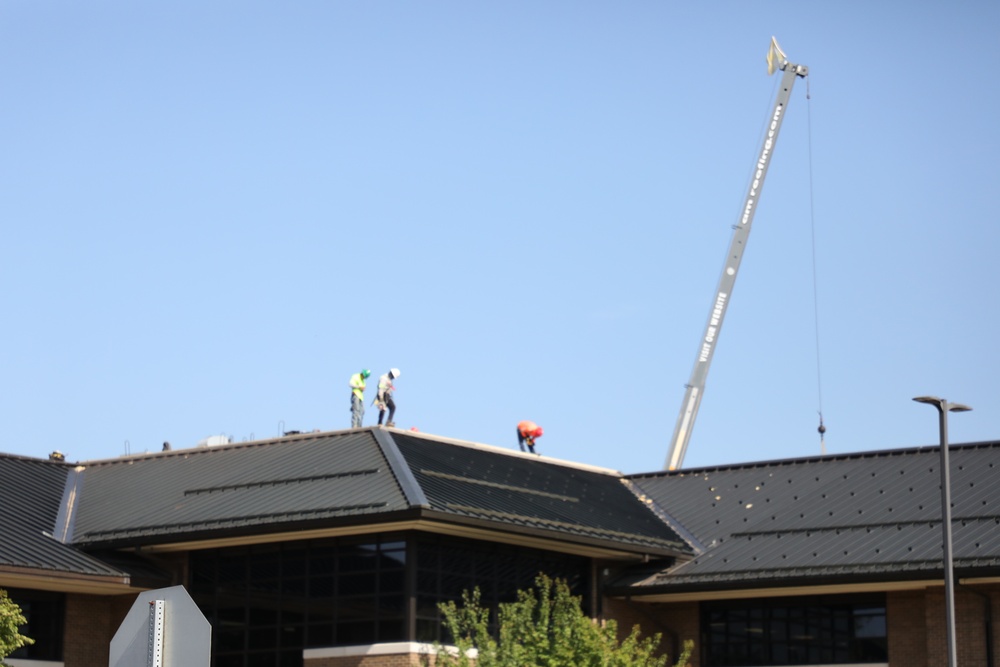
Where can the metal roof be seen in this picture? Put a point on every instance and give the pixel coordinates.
(852, 516)
(867, 516)
(360, 475)
(268, 485)
(529, 492)
(32, 490)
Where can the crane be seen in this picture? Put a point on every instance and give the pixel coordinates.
(695, 388)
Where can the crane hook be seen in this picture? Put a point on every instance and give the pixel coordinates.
(822, 433)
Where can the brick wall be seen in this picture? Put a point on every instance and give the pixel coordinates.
(91, 622)
(917, 632)
(675, 622)
(403, 654)
(907, 628)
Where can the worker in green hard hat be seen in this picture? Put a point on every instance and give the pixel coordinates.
(358, 397)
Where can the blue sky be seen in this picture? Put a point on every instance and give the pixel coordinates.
(214, 213)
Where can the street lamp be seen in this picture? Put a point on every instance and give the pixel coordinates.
(943, 408)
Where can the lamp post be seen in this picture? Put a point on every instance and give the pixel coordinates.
(943, 408)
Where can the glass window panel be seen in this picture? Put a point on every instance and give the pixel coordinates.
(358, 557)
(869, 626)
(292, 635)
(293, 615)
(427, 630)
(391, 605)
(392, 582)
(390, 630)
(321, 587)
(261, 660)
(229, 660)
(263, 586)
(356, 584)
(294, 570)
(319, 636)
(427, 582)
(355, 608)
(231, 615)
(320, 616)
(427, 556)
(270, 569)
(322, 561)
(293, 587)
(263, 616)
(355, 633)
(779, 653)
(263, 638)
(229, 639)
(427, 606)
(232, 569)
(457, 562)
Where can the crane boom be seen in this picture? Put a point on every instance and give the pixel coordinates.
(696, 385)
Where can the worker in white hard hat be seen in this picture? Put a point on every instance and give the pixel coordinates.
(384, 397)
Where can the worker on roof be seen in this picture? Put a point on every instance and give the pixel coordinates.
(358, 397)
(527, 432)
(384, 397)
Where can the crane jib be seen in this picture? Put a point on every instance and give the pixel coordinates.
(765, 157)
(713, 326)
(695, 387)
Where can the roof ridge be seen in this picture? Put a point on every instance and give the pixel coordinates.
(825, 458)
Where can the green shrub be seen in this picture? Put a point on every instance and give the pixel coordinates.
(545, 627)
(11, 619)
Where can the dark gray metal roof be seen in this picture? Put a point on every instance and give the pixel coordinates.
(31, 491)
(870, 515)
(253, 487)
(360, 475)
(841, 518)
(530, 492)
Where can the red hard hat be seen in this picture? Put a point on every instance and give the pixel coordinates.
(539, 432)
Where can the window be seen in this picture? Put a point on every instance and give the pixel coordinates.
(268, 602)
(447, 567)
(795, 631)
(45, 612)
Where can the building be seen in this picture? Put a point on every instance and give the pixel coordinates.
(333, 549)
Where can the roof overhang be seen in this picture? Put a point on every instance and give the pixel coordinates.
(64, 582)
(470, 529)
(799, 590)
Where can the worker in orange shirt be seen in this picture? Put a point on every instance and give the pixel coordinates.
(527, 432)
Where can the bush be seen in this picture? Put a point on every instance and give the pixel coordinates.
(545, 627)
(11, 619)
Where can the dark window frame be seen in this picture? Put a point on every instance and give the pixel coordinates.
(765, 632)
(270, 598)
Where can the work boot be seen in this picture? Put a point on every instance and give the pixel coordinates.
(390, 424)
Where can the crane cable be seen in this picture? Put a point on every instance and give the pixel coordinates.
(812, 217)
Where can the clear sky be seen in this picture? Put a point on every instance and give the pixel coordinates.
(215, 212)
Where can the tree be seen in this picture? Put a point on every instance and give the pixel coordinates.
(545, 627)
(11, 619)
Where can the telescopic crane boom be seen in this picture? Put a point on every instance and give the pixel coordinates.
(696, 386)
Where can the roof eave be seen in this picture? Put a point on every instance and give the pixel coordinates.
(64, 582)
(744, 584)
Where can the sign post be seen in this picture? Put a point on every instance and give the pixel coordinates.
(164, 628)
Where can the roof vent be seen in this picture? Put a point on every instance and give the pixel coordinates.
(215, 441)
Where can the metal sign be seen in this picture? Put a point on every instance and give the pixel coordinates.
(164, 628)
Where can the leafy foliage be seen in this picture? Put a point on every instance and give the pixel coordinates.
(11, 618)
(545, 627)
